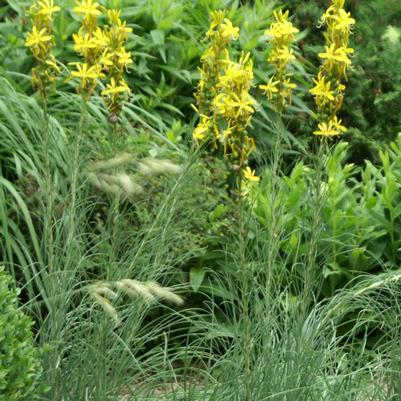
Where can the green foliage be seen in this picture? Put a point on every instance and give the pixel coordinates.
(359, 216)
(20, 367)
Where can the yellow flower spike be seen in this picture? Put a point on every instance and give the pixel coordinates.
(281, 35)
(234, 106)
(224, 104)
(214, 66)
(115, 60)
(40, 41)
(89, 43)
(329, 89)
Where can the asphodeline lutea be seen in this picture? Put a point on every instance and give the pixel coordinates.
(224, 103)
(40, 41)
(281, 35)
(329, 88)
(220, 34)
(115, 61)
(90, 43)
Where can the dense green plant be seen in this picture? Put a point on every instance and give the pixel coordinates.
(359, 215)
(20, 365)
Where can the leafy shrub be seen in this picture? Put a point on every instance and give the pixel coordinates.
(19, 361)
(359, 216)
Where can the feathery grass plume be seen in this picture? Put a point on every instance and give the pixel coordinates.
(90, 43)
(220, 34)
(281, 35)
(118, 184)
(150, 166)
(104, 293)
(40, 41)
(329, 88)
(115, 61)
(123, 183)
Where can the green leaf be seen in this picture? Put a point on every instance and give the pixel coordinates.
(196, 277)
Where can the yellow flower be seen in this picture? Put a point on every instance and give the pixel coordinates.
(52, 63)
(228, 31)
(281, 34)
(336, 123)
(100, 38)
(339, 3)
(114, 16)
(344, 21)
(336, 54)
(37, 38)
(282, 30)
(124, 58)
(249, 175)
(87, 75)
(83, 44)
(47, 8)
(281, 56)
(202, 130)
(287, 84)
(330, 128)
(322, 91)
(106, 60)
(88, 8)
(114, 89)
(271, 87)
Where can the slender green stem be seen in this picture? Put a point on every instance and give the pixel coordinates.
(245, 293)
(115, 212)
(315, 224)
(273, 229)
(76, 165)
(48, 187)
